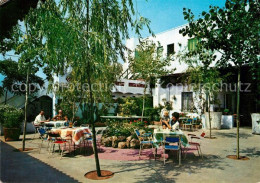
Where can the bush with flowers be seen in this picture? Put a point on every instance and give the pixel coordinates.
(125, 128)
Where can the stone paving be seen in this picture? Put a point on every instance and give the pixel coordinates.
(214, 167)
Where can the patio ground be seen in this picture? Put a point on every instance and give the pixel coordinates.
(214, 167)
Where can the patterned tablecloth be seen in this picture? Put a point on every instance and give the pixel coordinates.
(76, 133)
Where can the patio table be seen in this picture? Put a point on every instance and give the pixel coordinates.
(55, 124)
(77, 133)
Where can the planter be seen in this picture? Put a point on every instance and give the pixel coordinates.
(215, 120)
(227, 121)
(255, 123)
(11, 133)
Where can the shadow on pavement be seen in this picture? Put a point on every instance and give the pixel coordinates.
(20, 167)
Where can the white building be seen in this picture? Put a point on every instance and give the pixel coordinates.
(181, 96)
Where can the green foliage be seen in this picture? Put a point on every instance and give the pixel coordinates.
(149, 64)
(152, 113)
(116, 128)
(10, 117)
(15, 76)
(133, 105)
(166, 104)
(232, 30)
(129, 107)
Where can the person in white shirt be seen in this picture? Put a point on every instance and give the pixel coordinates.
(40, 119)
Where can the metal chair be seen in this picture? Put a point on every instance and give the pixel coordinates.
(166, 146)
(59, 141)
(42, 132)
(145, 138)
(197, 142)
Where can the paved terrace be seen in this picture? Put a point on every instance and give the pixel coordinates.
(214, 167)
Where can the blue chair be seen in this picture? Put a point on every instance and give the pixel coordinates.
(43, 137)
(167, 146)
(145, 138)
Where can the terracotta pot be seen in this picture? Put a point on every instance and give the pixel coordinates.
(11, 133)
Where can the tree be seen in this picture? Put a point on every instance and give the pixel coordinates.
(232, 31)
(26, 45)
(86, 36)
(149, 63)
(15, 77)
(203, 78)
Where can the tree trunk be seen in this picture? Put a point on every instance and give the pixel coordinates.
(91, 103)
(25, 107)
(238, 113)
(143, 103)
(209, 116)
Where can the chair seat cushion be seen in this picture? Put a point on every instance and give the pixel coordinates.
(171, 147)
(60, 142)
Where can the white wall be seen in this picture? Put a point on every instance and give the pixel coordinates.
(180, 42)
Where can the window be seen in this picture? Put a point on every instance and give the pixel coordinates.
(170, 49)
(160, 51)
(192, 44)
(136, 85)
(186, 101)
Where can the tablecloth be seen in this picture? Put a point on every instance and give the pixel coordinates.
(77, 133)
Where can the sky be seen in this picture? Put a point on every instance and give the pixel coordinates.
(163, 14)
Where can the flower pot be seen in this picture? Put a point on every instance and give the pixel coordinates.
(255, 123)
(215, 120)
(227, 121)
(11, 133)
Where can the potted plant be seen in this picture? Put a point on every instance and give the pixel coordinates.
(11, 120)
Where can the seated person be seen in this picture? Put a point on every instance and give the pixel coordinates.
(66, 121)
(174, 121)
(40, 119)
(58, 117)
(165, 120)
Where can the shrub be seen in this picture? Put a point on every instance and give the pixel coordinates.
(10, 117)
(115, 128)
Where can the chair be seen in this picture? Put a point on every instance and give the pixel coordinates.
(88, 138)
(42, 132)
(197, 142)
(167, 146)
(145, 138)
(58, 140)
(36, 127)
(188, 124)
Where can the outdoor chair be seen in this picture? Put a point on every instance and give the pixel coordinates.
(166, 146)
(196, 142)
(88, 138)
(44, 137)
(59, 141)
(188, 124)
(36, 127)
(145, 138)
